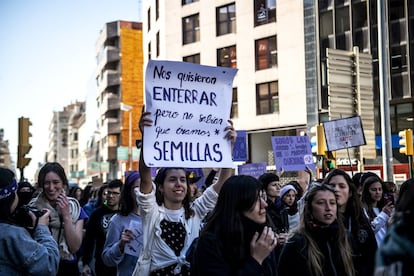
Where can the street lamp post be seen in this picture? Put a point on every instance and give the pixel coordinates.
(128, 108)
(100, 159)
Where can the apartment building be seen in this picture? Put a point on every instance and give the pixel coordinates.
(119, 77)
(63, 137)
(5, 158)
(279, 48)
(264, 42)
(343, 24)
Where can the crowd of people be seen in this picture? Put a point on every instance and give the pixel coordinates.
(235, 225)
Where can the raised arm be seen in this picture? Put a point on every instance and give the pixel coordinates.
(225, 173)
(144, 171)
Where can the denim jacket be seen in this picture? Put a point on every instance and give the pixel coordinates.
(20, 254)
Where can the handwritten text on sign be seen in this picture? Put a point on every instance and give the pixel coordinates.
(252, 169)
(292, 153)
(190, 105)
(344, 133)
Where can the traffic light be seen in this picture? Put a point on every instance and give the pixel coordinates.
(406, 141)
(24, 145)
(318, 140)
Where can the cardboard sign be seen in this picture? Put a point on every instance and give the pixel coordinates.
(254, 169)
(344, 133)
(190, 105)
(292, 153)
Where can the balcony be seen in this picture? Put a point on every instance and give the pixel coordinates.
(111, 126)
(110, 30)
(109, 78)
(110, 102)
(109, 54)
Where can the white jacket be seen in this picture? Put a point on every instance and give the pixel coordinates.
(161, 254)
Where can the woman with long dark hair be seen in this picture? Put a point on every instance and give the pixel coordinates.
(124, 237)
(237, 239)
(377, 208)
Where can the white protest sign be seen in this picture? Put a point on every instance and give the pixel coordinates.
(190, 105)
(344, 133)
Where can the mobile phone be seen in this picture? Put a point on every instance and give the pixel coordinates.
(388, 198)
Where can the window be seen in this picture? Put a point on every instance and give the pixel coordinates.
(191, 29)
(234, 113)
(227, 57)
(267, 98)
(149, 51)
(149, 19)
(158, 44)
(157, 9)
(193, 59)
(226, 19)
(325, 24)
(405, 116)
(186, 2)
(342, 20)
(266, 53)
(265, 12)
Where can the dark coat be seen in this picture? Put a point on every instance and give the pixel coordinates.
(293, 258)
(363, 244)
(396, 255)
(278, 213)
(209, 259)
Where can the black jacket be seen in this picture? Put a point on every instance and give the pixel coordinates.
(363, 244)
(278, 213)
(293, 258)
(95, 237)
(209, 259)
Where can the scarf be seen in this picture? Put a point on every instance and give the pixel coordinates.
(56, 222)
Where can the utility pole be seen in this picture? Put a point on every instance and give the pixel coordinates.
(383, 63)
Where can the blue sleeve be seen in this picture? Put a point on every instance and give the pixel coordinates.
(43, 253)
(82, 214)
(111, 254)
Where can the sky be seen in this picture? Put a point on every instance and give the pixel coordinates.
(48, 61)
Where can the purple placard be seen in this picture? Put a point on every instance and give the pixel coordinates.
(253, 169)
(292, 153)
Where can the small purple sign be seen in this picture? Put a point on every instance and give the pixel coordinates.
(292, 153)
(253, 169)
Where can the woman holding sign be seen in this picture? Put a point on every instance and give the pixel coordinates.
(169, 218)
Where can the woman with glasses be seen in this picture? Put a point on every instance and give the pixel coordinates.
(360, 233)
(319, 246)
(96, 230)
(237, 239)
(169, 214)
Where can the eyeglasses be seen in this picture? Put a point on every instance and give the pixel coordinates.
(109, 193)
